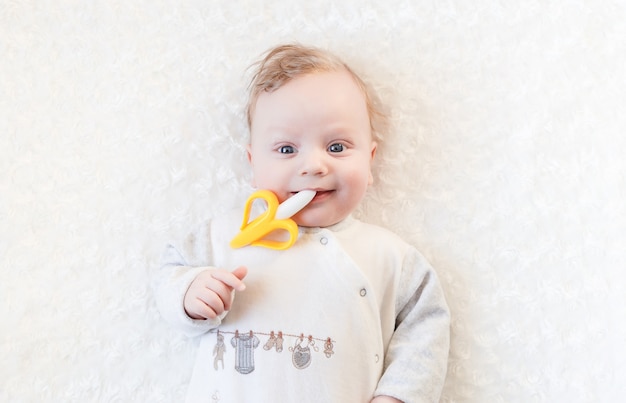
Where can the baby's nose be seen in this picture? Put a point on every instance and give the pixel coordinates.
(314, 163)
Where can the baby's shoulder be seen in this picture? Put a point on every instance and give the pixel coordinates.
(374, 239)
(367, 231)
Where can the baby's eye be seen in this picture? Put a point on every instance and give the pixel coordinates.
(336, 148)
(286, 150)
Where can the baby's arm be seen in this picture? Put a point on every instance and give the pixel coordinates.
(181, 263)
(417, 355)
(211, 292)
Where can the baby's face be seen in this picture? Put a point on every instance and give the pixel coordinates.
(314, 133)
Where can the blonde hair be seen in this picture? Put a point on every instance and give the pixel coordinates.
(287, 62)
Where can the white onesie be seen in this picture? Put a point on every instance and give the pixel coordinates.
(347, 313)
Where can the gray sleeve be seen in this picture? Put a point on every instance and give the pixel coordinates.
(180, 264)
(417, 356)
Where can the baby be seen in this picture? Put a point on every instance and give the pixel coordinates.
(349, 313)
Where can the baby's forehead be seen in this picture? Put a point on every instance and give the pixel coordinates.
(328, 81)
(313, 94)
(280, 82)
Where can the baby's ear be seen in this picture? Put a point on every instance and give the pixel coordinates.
(374, 148)
(373, 153)
(249, 153)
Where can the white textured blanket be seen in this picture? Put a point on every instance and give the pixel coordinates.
(121, 125)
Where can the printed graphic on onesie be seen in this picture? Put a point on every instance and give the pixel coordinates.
(246, 343)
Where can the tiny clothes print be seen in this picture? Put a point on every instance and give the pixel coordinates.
(302, 352)
(274, 342)
(218, 351)
(246, 342)
(244, 351)
(301, 356)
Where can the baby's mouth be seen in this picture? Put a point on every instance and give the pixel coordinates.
(321, 195)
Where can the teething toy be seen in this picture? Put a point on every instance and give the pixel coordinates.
(275, 217)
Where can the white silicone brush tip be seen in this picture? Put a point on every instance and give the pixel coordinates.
(294, 204)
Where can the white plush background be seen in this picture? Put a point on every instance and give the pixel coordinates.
(121, 125)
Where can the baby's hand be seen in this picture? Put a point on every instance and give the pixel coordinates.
(210, 293)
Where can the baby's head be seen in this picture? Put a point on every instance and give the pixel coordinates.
(312, 123)
(288, 62)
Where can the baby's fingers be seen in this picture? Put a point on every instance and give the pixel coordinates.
(198, 309)
(216, 300)
(231, 279)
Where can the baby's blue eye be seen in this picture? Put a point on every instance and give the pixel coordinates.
(336, 148)
(286, 150)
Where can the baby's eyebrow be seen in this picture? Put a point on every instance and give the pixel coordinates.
(277, 135)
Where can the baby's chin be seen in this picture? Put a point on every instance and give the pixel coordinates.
(309, 220)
